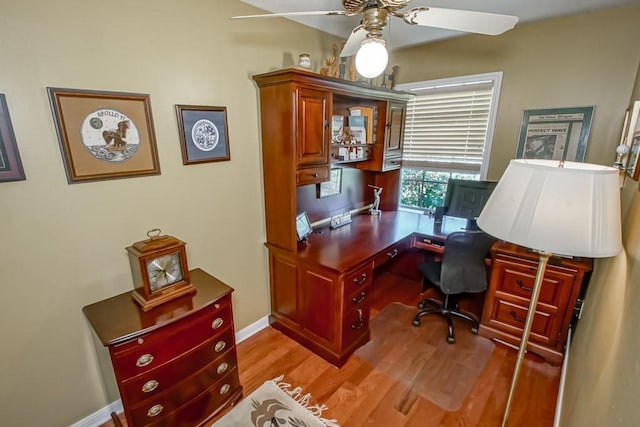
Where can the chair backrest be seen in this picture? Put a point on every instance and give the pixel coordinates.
(463, 267)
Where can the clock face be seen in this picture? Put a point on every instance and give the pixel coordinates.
(164, 271)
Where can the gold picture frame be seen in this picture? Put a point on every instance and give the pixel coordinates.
(104, 135)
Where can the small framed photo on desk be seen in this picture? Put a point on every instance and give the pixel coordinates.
(303, 226)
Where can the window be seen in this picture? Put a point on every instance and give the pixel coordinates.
(448, 133)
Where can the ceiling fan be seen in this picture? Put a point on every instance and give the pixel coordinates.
(367, 43)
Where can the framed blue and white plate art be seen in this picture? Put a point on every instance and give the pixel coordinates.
(204, 134)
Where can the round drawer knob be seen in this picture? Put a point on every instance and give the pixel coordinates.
(144, 360)
(154, 410)
(222, 367)
(217, 323)
(220, 345)
(225, 389)
(150, 385)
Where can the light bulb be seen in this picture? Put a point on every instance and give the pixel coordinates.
(371, 58)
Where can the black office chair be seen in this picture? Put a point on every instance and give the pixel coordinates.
(461, 270)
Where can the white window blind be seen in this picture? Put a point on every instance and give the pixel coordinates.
(447, 124)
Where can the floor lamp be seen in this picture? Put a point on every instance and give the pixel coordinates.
(554, 207)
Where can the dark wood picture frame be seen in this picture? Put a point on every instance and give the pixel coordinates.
(204, 134)
(104, 135)
(10, 163)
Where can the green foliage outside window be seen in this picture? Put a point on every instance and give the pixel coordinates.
(424, 189)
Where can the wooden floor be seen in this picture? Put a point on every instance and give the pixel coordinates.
(359, 395)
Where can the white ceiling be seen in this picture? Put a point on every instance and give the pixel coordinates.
(401, 34)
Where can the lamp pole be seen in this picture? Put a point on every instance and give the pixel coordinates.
(542, 266)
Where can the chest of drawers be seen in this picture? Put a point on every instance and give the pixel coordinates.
(175, 365)
(506, 304)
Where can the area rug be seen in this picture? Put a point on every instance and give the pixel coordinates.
(440, 372)
(276, 404)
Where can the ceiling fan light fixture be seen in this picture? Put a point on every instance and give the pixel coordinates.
(372, 57)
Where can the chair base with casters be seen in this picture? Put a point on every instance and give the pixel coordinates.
(448, 313)
(460, 270)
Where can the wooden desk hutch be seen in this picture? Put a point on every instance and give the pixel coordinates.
(296, 112)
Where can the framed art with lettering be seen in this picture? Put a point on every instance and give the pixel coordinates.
(204, 134)
(10, 163)
(104, 135)
(555, 133)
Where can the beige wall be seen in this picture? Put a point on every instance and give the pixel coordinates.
(589, 59)
(62, 246)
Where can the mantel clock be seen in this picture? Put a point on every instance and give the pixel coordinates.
(159, 270)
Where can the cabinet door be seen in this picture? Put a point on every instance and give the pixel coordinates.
(395, 129)
(312, 126)
(321, 306)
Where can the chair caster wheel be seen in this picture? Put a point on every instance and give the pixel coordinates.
(474, 331)
(451, 340)
(416, 322)
(422, 304)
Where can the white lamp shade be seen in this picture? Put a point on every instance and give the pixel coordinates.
(571, 210)
(372, 58)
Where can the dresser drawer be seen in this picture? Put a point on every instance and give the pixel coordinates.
(511, 317)
(391, 252)
(312, 175)
(189, 402)
(517, 279)
(156, 381)
(357, 278)
(153, 349)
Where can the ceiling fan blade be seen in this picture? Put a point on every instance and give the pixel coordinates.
(461, 20)
(353, 42)
(285, 14)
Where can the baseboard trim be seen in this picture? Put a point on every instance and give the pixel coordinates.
(103, 415)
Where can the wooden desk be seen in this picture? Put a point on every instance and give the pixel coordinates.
(319, 293)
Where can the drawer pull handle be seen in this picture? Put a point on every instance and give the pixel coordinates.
(220, 345)
(216, 306)
(225, 389)
(359, 299)
(515, 316)
(217, 323)
(154, 410)
(522, 286)
(222, 367)
(315, 174)
(361, 280)
(393, 253)
(150, 385)
(144, 360)
(358, 325)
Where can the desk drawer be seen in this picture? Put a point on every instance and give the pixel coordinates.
(510, 317)
(312, 175)
(517, 279)
(356, 315)
(427, 244)
(391, 252)
(358, 278)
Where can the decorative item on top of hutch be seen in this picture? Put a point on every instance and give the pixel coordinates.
(159, 270)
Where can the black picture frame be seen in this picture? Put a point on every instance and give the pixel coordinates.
(303, 226)
(204, 134)
(10, 163)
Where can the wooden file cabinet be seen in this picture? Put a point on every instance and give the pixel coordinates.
(176, 364)
(508, 295)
